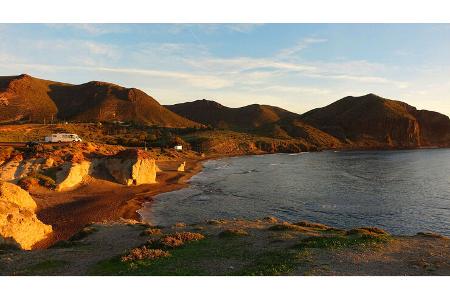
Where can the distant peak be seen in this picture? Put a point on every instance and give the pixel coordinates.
(22, 76)
(372, 95)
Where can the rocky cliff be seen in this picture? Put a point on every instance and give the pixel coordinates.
(18, 222)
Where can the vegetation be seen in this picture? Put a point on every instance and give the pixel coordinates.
(144, 253)
(233, 233)
(43, 267)
(334, 242)
(37, 178)
(152, 231)
(286, 227)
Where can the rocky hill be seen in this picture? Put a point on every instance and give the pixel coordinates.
(373, 121)
(242, 118)
(264, 120)
(25, 98)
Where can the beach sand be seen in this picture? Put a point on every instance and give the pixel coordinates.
(101, 201)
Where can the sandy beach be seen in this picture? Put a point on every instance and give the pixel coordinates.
(100, 201)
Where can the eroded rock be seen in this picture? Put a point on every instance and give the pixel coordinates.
(18, 221)
(72, 174)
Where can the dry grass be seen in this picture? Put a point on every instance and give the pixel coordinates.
(176, 239)
(270, 219)
(233, 233)
(312, 225)
(286, 227)
(152, 231)
(144, 253)
(367, 231)
(187, 236)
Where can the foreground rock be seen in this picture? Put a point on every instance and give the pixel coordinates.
(19, 225)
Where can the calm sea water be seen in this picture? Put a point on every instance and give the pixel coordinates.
(402, 191)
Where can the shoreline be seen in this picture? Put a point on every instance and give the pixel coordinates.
(99, 201)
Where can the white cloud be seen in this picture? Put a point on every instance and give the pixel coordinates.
(304, 43)
(91, 28)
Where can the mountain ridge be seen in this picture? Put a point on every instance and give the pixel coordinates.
(361, 122)
(25, 97)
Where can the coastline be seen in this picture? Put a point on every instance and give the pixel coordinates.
(99, 201)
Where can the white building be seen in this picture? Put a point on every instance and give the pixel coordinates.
(178, 147)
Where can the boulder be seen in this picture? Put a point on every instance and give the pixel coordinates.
(181, 167)
(72, 174)
(18, 221)
(132, 167)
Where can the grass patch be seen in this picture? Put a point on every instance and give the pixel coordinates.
(191, 259)
(44, 267)
(270, 264)
(335, 242)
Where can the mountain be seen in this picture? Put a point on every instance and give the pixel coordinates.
(218, 116)
(265, 120)
(373, 121)
(31, 99)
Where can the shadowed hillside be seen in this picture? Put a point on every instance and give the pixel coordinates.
(264, 120)
(243, 118)
(373, 121)
(25, 98)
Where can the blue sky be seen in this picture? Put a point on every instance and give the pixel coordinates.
(295, 66)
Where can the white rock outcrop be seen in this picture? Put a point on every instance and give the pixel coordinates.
(19, 224)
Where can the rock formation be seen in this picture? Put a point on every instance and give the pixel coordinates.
(18, 221)
(18, 167)
(72, 174)
(181, 167)
(132, 167)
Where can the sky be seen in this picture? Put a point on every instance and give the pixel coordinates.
(295, 66)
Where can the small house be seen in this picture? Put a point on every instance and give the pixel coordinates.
(178, 147)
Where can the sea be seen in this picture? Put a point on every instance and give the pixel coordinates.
(402, 191)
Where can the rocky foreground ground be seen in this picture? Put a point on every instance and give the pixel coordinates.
(233, 247)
